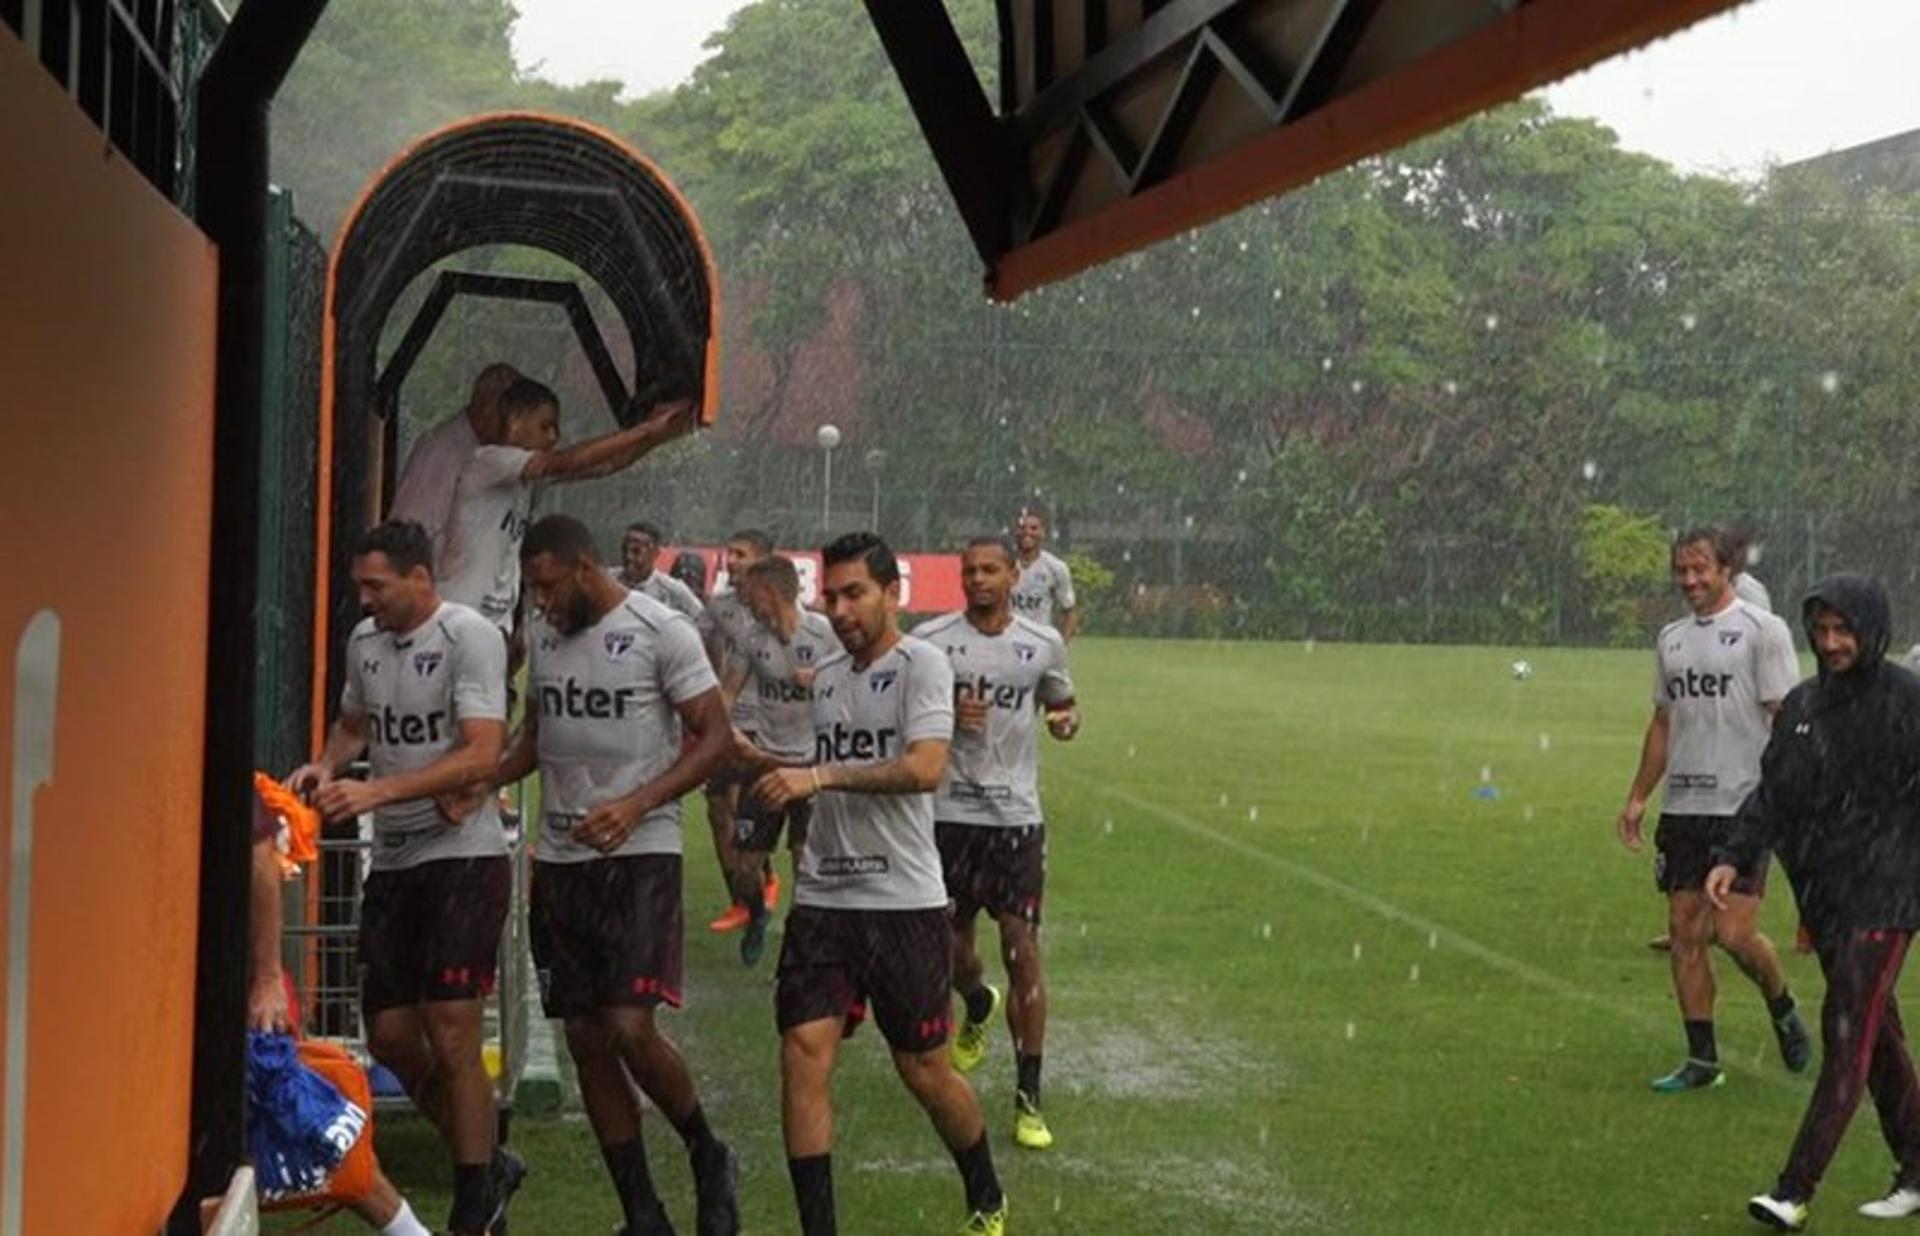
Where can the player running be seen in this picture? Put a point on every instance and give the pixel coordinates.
(639, 571)
(612, 676)
(869, 921)
(1720, 675)
(784, 650)
(993, 838)
(494, 496)
(727, 626)
(1044, 592)
(425, 697)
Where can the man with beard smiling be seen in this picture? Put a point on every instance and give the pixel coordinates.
(612, 677)
(1839, 802)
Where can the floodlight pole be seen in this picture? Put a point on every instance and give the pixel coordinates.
(828, 436)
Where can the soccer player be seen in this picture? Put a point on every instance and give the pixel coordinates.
(784, 650)
(493, 498)
(612, 677)
(639, 555)
(869, 920)
(1720, 675)
(425, 697)
(1044, 592)
(727, 626)
(993, 836)
(433, 467)
(1836, 801)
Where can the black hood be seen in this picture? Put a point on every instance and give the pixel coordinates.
(1863, 602)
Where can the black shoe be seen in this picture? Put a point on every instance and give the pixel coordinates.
(1796, 1047)
(753, 941)
(653, 1222)
(509, 1171)
(716, 1184)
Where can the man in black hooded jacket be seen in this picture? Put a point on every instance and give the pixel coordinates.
(1839, 804)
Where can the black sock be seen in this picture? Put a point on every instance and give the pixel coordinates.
(1780, 1005)
(627, 1164)
(1700, 1043)
(979, 1002)
(976, 1173)
(695, 1132)
(472, 1197)
(813, 1190)
(1028, 1073)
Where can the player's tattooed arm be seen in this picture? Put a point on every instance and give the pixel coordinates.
(347, 739)
(916, 772)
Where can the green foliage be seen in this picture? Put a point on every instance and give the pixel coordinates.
(1623, 563)
(1092, 582)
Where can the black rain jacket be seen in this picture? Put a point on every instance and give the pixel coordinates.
(1839, 793)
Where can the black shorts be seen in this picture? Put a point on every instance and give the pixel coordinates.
(607, 933)
(988, 867)
(1683, 854)
(834, 962)
(432, 932)
(756, 827)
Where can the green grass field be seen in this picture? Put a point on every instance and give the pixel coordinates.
(1303, 978)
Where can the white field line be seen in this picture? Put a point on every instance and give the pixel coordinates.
(1353, 895)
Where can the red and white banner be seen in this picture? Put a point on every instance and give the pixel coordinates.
(929, 583)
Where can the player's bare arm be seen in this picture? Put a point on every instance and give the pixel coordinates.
(1653, 765)
(469, 763)
(704, 717)
(1069, 625)
(267, 993)
(609, 453)
(345, 741)
(916, 772)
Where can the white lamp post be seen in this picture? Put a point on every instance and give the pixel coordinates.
(828, 436)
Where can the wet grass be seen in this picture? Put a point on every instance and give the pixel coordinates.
(1340, 940)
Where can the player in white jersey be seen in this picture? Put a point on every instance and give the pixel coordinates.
(639, 571)
(612, 678)
(869, 920)
(425, 697)
(1044, 592)
(1007, 671)
(494, 497)
(784, 650)
(727, 625)
(427, 480)
(1720, 676)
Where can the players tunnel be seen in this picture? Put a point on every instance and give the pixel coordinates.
(544, 182)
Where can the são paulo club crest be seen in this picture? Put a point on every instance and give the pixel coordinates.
(1024, 652)
(619, 643)
(882, 680)
(1729, 638)
(424, 663)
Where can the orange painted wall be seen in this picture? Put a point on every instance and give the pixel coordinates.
(107, 298)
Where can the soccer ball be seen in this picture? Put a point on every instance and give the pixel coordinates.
(1522, 670)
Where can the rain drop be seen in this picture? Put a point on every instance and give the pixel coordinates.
(1196, 311)
(1309, 645)
(1189, 521)
(1326, 364)
(1450, 386)
(1263, 1136)
(1688, 321)
(1106, 826)
(1056, 1203)
(1433, 940)
(1493, 321)
(1546, 742)
(1266, 931)
(1241, 476)
(1589, 470)
(1413, 975)
(1223, 800)
(1351, 1031)
(1132, 751)
(1276, 293)
(1526, 813)
(1830, 382)
(1486, 773)
(1253, 813)
(1356, 950)
(1243, 246)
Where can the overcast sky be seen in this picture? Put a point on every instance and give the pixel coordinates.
(1772, 80)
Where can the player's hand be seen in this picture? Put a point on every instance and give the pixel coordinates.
(1064, 723)
(803, 677)
(744, 753)
(668, 421)
(608, 826)
(1719, 884)
(306, 780)
(782, 786)
(456, 805)
(1631, 817)
(970, 714)
(346, 798)
(267, 1005)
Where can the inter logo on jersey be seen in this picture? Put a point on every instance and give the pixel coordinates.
(424, 663)
(1729, 638)
(619, 643)
(882, 680)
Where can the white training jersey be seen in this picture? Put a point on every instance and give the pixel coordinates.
(667, 590)
(1044, 590)
(1713, 677)
(783, 709)
(727, 625)
(876, 851)
(427, 482)
(1752, 591)
(492, 506)
(414, 689)
(993, 776)
(606, 700)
